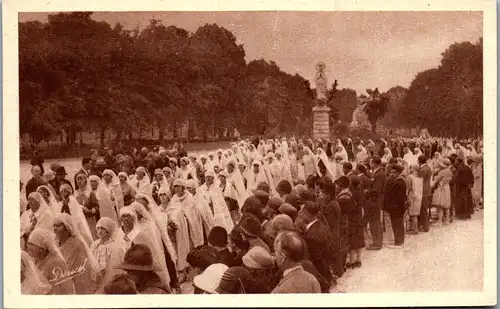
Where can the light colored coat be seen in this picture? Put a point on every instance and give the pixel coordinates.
(297, 281)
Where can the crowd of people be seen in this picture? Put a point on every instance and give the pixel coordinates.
(265, 216)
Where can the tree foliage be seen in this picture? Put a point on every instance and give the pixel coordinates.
(77, 74)
(448, 100)
(376, 107)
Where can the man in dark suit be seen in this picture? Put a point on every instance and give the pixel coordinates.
(86, 169)
(395, 202)
(374, 201)
(318, 239)
(426, 174)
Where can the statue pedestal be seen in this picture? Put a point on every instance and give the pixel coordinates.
(321, 122)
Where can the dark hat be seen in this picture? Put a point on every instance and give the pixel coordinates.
(343, 182)
(274, 203)
(235, 281)
(218, 237)
(61, 171)
(138, 257)
(292, 199)
(288, 210)
(284, 186)
(251, 227)
(262, 189)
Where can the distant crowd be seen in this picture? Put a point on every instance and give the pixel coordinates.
(265, 216)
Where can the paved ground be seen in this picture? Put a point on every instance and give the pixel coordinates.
(447, 259)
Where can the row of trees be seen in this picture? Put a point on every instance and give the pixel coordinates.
(77, 74)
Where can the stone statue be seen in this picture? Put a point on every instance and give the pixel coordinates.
(321, 82)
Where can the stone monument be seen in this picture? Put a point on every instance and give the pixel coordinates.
(321, 112)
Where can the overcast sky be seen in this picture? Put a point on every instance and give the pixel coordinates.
(360, 49)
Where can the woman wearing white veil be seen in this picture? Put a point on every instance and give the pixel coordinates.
(213, 194)
(341, 152)
(138, 228)
(309, 162)
(33, 282)
(409, 159)
(417, 152)
(111, 181)
(274, 167)
(141, 181)
(160, 220)
(235, 178)
(48, 196)
(186, 171)
(70, 206)
(387, 155)
(178, 230)
(39, 215)
(42, 247)
(82, 264)
(361, 155)
(323, 158)
(107, 207)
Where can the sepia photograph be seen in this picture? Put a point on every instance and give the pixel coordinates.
(267, 151)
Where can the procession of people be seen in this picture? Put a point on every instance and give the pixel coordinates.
(264, 216)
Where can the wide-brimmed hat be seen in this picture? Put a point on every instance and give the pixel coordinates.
(138, 257)
(274, 203)
(209, 280)
(61, 171)
(258, 258)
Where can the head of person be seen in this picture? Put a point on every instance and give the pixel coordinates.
(422, 159)
(105, 228)
(414, 169)
(284, 188)
(200, 258)
(343, 182)
(120, 285)
(242, 167)
(40, 244)
(122, 177)
(61, 173)
(236, 280)
(140, 172)
(63, 227)
(361, 169)
(250, 228)
(107, 176)
(34, 201)
(87, 163)
(94, 181)
(158, 175)
(44, 192)
(347, 167)
(191, 186)
(36, 171)
(281, 223)
(179, 187)
(258, 258)
(218, 237)
(256, 167)
(209, 177)
(65, 191)
(309, 212)
(81, 181)
(184, 162)
(138, 263)
(209, 280)
(272, 207)
(289, 250)
(128, 218)
(395, 170)
(230, 166)
(375, 162)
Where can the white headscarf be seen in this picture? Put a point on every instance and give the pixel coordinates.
(43, 215)
(52, 200)
(34, 282)
(68, 223)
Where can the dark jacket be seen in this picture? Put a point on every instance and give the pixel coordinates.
(33, 184)
(395, 196)
(375, 196)
(318, 240)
